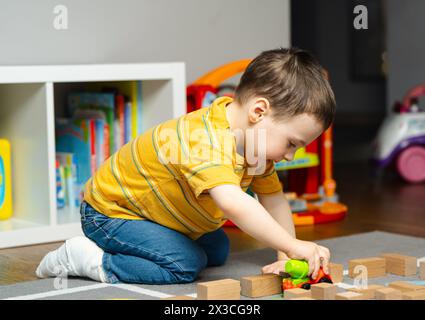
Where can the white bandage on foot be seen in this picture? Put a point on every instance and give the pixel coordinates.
(78, 256)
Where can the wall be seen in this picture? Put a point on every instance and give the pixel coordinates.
(204, 34)
(324, 27)
(406, 46)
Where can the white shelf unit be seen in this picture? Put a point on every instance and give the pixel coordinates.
(27, 120)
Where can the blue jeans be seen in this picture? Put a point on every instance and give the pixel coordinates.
(142, 251)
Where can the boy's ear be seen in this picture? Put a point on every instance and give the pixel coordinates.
(258, 109)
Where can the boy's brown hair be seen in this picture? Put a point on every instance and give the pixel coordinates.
(294, 83)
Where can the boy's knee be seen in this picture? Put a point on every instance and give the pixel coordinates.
(191, 266)
(217, 246)
(220, 256)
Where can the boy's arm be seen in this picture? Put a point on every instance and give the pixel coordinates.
(250, 216)
(278, 207)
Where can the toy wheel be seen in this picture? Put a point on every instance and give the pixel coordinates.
(325, 280)
(306, 286)
(411, 164)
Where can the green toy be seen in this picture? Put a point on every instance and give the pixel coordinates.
(296, 275)
(297, 270)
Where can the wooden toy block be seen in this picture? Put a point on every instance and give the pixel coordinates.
(348, 295)
(323, 291)
(405, 286)
(226, 289)
(399, 264)
(388, 294)
(422, 270)
(414, 295)
(296, 293)
(178, 298)
(336, 271)
(261, 285)
(375, 267)
(369, 292)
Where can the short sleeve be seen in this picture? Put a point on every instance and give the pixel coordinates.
(268, 182)
(208, 175)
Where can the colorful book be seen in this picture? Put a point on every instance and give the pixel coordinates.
(100, 141)
(77, 136)
(106, 145)
(60, 191)
(120, 105)
(102, 101)
(127, 120)
(101, 134)
(133, 90)
(93, 164)
(67, 161)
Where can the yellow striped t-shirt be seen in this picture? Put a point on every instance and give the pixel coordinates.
(164, 174)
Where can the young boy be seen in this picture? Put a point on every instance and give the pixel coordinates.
(152, 212)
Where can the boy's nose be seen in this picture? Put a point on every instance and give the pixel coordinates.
(289, 157)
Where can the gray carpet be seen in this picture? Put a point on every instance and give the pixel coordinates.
(239, 264)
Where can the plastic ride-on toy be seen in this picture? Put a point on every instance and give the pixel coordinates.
(400, 141)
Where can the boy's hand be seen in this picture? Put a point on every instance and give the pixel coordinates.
(275, 267)
(314, 254)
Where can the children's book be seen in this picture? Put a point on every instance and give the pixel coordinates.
(133, 90)
(127, 120)
(60, 188)
(101, 132)
(102, 101)
(77, 136)
(120, 115)
(67, 161)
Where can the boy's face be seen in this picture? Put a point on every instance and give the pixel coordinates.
(282, 137)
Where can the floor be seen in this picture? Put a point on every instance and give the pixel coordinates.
(382, 203)
(238, 265)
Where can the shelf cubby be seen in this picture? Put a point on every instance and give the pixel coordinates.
(31, 97)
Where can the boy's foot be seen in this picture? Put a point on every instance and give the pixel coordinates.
(78, 256)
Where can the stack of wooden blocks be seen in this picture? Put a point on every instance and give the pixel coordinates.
(229, 289)
(408, 291)
(392, 263)
(270, 284)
